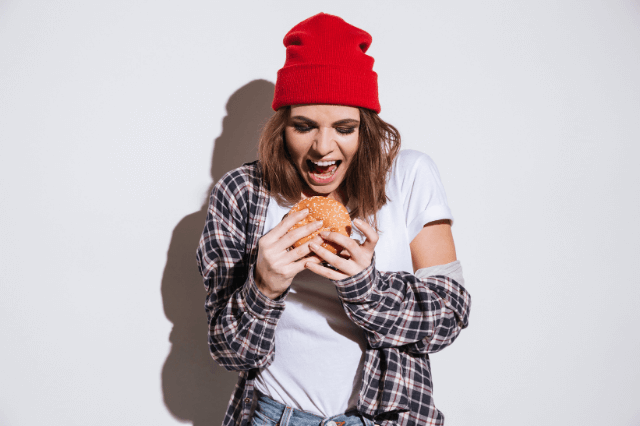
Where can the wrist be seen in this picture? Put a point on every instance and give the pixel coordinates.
(358, 288)
(259, 305)
(264, 288)
(267, 292)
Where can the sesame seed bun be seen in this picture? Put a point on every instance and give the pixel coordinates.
(334, 215)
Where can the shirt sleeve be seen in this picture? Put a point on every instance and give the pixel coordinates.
(421, 190)
(241, 319)
(452, 270)
(399, 309)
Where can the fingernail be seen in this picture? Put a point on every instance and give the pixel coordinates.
(314, 246)
(325, 233)
(319, 223)
(305, 211)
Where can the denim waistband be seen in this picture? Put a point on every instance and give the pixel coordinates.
(271, 413)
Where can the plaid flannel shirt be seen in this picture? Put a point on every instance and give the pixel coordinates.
(403, 318)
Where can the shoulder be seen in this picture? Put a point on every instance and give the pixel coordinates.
(238, 188)
(409, 159)
(417, 184)
(411, 164)
(246, 177)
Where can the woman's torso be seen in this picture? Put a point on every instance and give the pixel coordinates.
(319, 353)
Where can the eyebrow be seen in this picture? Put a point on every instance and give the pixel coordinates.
(337, 123)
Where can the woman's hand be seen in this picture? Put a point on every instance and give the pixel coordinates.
(359, 256)
(277, 265)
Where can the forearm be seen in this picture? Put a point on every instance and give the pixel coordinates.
(397, 308)
(240, 322)
(242, 330)
(449, 329)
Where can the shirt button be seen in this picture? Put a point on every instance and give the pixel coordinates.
(331, 423)
(247, 400)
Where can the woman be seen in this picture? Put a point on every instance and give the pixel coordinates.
(351, 347)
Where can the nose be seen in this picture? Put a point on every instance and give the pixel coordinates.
(323, 143)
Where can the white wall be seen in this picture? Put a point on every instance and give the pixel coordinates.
(116, 117)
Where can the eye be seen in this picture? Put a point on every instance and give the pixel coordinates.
(345, 130)
(301, 128)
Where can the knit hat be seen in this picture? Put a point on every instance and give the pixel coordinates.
(326, 64)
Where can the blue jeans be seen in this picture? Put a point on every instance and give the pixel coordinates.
(272, 413)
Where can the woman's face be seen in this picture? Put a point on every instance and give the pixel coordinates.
(322, 140)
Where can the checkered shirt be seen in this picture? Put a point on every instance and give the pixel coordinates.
(403, 318)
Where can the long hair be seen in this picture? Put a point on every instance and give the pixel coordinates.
(365, 180)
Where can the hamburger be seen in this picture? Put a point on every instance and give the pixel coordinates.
(332, 213)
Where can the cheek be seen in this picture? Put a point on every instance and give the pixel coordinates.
(351, 148)
(293, 146)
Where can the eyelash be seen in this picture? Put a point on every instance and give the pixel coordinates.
(305, 129)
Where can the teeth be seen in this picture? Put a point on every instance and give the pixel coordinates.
(324, 163)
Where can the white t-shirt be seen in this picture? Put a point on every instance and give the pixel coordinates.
(319, 352)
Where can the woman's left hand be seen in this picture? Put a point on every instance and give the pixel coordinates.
(359, 255)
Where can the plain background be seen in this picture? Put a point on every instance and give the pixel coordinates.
(116, 118)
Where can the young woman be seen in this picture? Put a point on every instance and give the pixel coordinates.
(352, 345)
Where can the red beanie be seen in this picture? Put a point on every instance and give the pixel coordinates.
(326, 64)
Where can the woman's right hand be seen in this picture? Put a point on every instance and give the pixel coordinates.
(276, 265)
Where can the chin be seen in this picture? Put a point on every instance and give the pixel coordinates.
(320, 190)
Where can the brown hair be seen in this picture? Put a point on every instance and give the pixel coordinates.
(364, 183)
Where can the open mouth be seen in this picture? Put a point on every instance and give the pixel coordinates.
(323, 171)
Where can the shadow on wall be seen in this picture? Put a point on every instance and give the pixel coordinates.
(195, 388)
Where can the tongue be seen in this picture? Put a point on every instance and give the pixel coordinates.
(324, 169)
